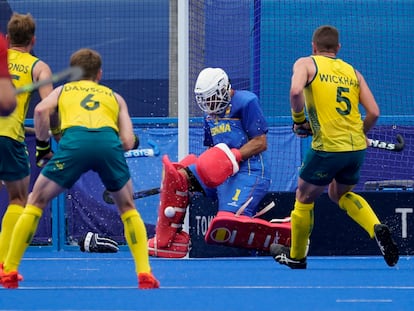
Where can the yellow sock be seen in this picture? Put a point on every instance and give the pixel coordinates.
(23, 233)
(302, 225)
(136, 237)
(10, 218)
(360, 211)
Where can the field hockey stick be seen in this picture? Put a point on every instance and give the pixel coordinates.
(107, 197)
(144, 152)
(398, 147)
(374, 143)
(70, 74)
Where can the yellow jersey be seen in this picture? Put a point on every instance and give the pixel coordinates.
(332, 103)
(20, 67)
(87, 104)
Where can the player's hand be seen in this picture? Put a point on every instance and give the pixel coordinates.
(43, 152)
(303, 129)
(93, 243)
(136, 141)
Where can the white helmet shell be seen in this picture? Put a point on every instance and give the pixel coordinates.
(212, 90)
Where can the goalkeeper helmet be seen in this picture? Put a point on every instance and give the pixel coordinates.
(212, 91)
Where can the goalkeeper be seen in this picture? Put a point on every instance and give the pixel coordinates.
(97, 129)
(234, 169)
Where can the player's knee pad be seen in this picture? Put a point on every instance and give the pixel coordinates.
(173, 202)
(178, 248)
(246, 232)
(217, 164)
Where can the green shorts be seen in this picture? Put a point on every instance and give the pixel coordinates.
(14, 159)
(320, 168)
(81, 150)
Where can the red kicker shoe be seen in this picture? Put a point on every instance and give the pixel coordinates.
(19, 276)
(147, 281)
(9, 280)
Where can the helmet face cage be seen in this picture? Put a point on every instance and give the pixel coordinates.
(215, 98)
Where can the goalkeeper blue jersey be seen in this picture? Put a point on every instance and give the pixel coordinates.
(242, 121)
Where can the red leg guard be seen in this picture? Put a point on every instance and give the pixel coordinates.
(246, 232)
(173, 198)
(178, 248)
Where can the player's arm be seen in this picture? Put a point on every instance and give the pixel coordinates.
(126, 132)
(7, 97)
(298, 83)
(41, 71)
(303, 68)
(254, 146)
(42, 113)
(367, 100)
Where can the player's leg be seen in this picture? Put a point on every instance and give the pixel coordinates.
(234, 225)
(358, 208)
(310, 187)
(16, 178)
(49, 184)
(114, 173)
(170, 241)
(340, 192)
(17, 191)
(135, 235)
(26, 226)
(211, 169)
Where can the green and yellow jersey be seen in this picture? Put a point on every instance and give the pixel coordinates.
(88, 104)
(20, 67)
(332, 102)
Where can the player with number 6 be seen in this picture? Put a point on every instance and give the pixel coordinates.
(97, 130)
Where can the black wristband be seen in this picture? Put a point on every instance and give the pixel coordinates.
(300, 123)
(42, 144)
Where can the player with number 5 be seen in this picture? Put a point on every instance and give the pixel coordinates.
(24, 68)
(331, 90)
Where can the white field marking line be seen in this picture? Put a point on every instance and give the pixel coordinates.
(228, 287)
(363, 300)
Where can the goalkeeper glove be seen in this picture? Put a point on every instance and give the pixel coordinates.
(93, 243)
(43, 152)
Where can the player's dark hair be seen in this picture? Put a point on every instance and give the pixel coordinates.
(89, 60)
(326, 38)
(21, 29)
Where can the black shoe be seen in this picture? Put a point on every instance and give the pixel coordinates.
(281, 254)
(386, 244)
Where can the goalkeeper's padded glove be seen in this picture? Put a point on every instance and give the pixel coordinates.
(93, 243)
(43, 152)
(302, 129)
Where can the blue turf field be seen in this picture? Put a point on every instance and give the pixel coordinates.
(78, 281)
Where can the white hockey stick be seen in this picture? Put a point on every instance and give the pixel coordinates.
(144, 152)
(70, 74)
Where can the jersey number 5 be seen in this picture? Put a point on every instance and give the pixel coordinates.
(340, 98)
